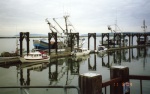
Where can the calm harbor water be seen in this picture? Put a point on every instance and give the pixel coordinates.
(65, 71)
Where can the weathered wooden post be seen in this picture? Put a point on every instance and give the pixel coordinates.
(22, 36)
(90, 83)
(121, 87)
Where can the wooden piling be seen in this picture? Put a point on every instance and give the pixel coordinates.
(121, 87)
(90, 83)
(22, 36)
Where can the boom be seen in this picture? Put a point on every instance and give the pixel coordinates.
(59, 25)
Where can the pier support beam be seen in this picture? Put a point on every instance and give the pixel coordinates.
(107, 35)
(22, 36)
(94, 36)
(124, 35)
(118, 35)
(121, 87)
(90, 83)
(71, 42)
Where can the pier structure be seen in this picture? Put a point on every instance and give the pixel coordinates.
(107, 35)
(76, 35)
(117, 36)
(52, 35)
(72, 37)
(138, 35)
(127, 35)
(22, 36)
(94, 36)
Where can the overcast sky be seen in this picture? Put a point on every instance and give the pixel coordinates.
(87, 16)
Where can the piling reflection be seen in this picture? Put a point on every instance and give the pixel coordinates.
(90, 66)
(28, 67)
(117, 57)
(22, 80)
(67, 69)
(140, 53)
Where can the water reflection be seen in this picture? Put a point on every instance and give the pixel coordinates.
(119, 56)
(90, 66)
(65, 71)
(64, 67)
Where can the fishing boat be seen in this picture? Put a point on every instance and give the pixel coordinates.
(142, 40)
(80, 52)
(63, 39)
(101, 49)
(35, 57)
(42, 44)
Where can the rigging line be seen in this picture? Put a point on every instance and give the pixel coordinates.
(72, 25)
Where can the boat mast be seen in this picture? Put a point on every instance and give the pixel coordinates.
(144, 26)
(66, 18)
(59, 25)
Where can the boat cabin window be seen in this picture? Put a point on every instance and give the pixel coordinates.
(101, 48)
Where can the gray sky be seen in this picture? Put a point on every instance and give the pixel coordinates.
(86, 15)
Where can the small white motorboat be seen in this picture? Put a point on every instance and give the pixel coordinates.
(35, 57)
(101, 50)
(80, 52)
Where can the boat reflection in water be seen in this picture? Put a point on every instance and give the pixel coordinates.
(58, 69)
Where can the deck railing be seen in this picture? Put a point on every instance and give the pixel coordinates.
(139, 77)
(109, 82)
(115, 80)
(24, 87)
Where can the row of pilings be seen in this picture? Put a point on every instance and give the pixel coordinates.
(72, 36)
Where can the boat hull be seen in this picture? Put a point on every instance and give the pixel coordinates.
(80, 53)
(23, 60)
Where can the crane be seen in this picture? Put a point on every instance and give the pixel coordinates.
(51, 26)
(59, 25)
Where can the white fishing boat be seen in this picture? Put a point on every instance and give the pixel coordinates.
(80, 52)
(115, 41)
(35, 57)
(102, 50)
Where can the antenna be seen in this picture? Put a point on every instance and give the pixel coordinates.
(144, 26)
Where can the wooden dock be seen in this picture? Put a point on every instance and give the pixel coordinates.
(59, 55)
(6, 63)
(127, 47)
